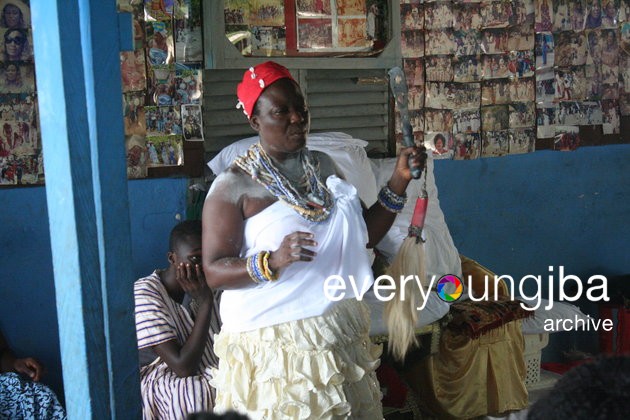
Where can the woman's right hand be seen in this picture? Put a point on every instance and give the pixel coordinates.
(292, 249)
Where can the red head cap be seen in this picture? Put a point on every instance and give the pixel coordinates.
(255, 81)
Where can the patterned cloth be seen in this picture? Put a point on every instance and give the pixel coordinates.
(21, 399)
(160, 319)
(474, 318)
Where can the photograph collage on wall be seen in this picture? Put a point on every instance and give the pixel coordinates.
(542, 67)
(580, 78)
(21, 160)
(256, 27)
(261, 27)
(162, 75)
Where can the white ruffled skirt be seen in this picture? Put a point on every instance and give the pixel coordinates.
(316, 368)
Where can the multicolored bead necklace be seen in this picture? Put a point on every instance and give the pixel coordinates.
(315, 205)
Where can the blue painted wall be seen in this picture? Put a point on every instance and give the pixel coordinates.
(28, 313)
(516, 215)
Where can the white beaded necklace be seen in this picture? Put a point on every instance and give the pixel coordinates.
(317, 202)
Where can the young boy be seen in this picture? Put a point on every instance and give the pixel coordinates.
(177, 315)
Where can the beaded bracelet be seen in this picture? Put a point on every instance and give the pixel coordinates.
(391, 201)
(258, 268)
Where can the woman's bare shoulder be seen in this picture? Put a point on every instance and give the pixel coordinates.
(233, 185)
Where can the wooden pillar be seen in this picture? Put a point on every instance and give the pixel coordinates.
(77, 48)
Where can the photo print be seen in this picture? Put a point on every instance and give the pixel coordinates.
(464, 95)
(268, 41)
(624, 79)
(440, 145)
(546, 119)
(570, 83)
(624, 104)
(266, 13)
(415, 97)
(350, 7)
(163, 120)
(414, 72)
(411, 16)
(522, 13)
(566, 138)
(522, 141)
(495, 66)
(495, 118)
(187, 29)
(610, 117)
(466, 121)
(467, 69)
(133, 70)
(593, 17)
(165, 151)
(562, 16)
(236, 12)
(412, 44)
(466, 16)
(133, 113)
(543, 16)
(192, 122)
(438, 120)
(495, 92)
(160, 47)
(522, 64)
(352, 33)
(570, 49)
(438, 15)
(440, 42)
(610, 14)
(467, 42)
(594, 88)
(495, 143)
(161, 85)
(544, 50)
(523, 90)
(314, 34)
(496, 14)
(416, 119)
(494, 41)
(521, 38)
(439, 95)
(578, 113)
(522, 115)
(467, 146)
(158, 10)
(137, 156)
(17, 77)
(594, 47)
(439, 68)
(545, 85)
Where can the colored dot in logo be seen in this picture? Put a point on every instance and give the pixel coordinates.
(450, 288)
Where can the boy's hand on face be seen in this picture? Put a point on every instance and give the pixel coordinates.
(191, 278)
(29, 367)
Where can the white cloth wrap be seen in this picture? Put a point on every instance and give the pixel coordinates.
(299, 291)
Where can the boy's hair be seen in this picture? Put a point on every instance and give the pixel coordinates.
(183, 230)
(596, 390)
